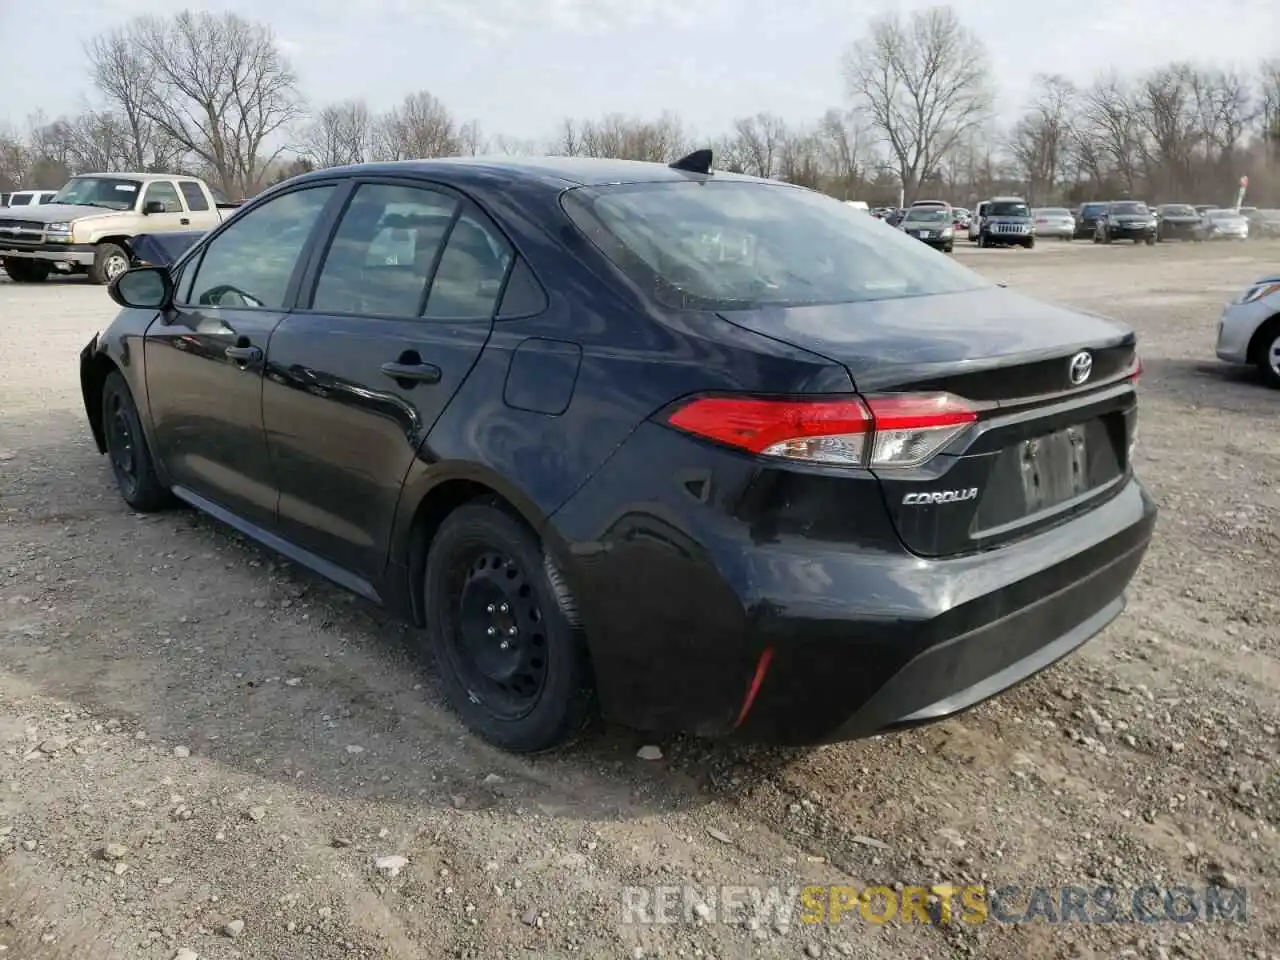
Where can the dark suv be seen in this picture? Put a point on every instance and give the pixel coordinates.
(1002, 222)
(1087, 219)
(1126, 220)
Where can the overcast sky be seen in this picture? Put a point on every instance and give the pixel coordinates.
(519, 66)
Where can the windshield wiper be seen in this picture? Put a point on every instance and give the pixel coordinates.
(83, 203)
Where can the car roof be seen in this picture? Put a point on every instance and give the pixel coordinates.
(550, 171)
(144, 177)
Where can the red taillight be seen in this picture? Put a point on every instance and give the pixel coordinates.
(1136, 372)
(888, 430)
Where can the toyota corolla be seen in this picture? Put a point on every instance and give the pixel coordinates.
(696, 451)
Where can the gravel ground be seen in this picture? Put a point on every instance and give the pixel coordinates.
(207, 752)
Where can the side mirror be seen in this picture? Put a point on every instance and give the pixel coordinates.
(143, 288)
(152, 206)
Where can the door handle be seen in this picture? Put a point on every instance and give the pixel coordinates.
(413, 372)
(243, 354)
(185, 221)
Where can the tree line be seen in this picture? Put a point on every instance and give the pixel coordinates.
(214, 95)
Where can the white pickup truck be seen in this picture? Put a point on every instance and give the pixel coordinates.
(87, 226)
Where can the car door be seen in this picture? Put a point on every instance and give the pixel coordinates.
(393, 316)
(200, 211)
(205, 356)
(174, 216)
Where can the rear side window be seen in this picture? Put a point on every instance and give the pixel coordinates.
(163, 192)
(724, 245)
(469, 278)
(20, 200)
(194, 196)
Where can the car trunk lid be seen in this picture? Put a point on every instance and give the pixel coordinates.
(1043, 448)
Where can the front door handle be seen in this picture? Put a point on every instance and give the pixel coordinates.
(413, 372)
(185, 221)
(243, 354)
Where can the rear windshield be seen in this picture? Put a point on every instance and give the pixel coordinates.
(1130, 208)
(736, 245)
(1007, 208)
(929, 215)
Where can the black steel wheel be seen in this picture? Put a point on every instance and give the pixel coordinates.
(127, 448)
(514, 664)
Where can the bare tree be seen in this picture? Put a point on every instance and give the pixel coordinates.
(420, 128)
(621, 137)
(760, 143)
(841, 139)
(1040, 140)
(340, 134)
(923, 84)
(1110, 133)
(218, 86)
(127, 80)
(471, 139)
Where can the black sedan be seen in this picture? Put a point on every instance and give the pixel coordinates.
(1178, 221)
(1125, 220)
(699, 451)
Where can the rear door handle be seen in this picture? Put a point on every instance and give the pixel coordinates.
(243, 354)
(414, 372)
(185, 221)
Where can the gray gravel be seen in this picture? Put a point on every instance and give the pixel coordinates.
(205, 752)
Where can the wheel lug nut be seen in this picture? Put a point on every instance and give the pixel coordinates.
(492, 631)
(503, 645)
(511, 632)
(490, 608)
(504, 608)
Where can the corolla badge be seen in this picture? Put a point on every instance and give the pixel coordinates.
(1080, 368)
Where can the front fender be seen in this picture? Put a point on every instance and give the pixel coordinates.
(117, 347)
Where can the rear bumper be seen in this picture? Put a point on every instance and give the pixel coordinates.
(76, 253)
(684, 600)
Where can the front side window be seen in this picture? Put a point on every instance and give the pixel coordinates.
(250, 263)
(738, 245)
(165, 194)
(383, 252)
(109, 192)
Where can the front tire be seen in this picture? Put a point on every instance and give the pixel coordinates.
(514, 666)
(26, 271)
(1030, 243)
(109, 261)
(131, 460)
(1269, 357)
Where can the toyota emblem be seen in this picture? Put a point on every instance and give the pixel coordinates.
(1081, 367)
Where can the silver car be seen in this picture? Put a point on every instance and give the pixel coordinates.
(1226, 225)
(1249, 329)
(1054, 222)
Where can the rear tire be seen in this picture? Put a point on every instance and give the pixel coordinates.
(131, 460)
(109, 261)
(26, 271)
(514, 666)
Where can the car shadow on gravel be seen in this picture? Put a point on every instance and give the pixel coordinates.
(1212, 382)
(181, 633)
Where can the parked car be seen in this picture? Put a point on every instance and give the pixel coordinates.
(1178, 221)
(931, 225)
(1003, 221)
(1203, 208)
(599, 437)
(1264, 224)
(86, 226)
(1087, 219)
(1125, 220)
(1249, 329)
(1054, 222)
(895, 216)
(29, 198)
(961, 217)
(860, 205)
(1225, 225)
